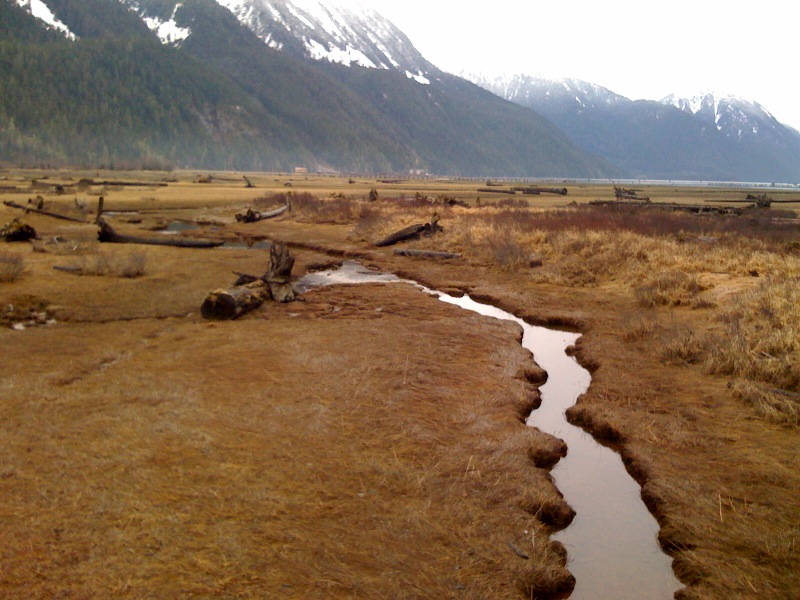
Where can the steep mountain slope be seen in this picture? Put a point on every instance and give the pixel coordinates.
(329, 30)
(121, 101)
(200, 88)
(659, 139)
(744, 123)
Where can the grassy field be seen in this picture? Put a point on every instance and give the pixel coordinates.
(366, 441)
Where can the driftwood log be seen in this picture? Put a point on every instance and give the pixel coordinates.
(426, 254)
(107, 233)
(412, 232)
(495, 191)
(235, 301)
(253, 216)
(541, 190)
(249, 292)
(40, 211)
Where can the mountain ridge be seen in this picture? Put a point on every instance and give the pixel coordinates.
(271, 84)
(704, 137)
(252, 106)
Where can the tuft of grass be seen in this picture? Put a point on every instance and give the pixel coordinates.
(129, 266)
(776, 406)
(762, 338)
(684, 347)
(12, 266)
(669, 288)
(638, 328)
(507, 252)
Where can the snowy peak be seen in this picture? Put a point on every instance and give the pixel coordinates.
(333, 30)
(533, 90)
(41, 11)
(733, 116)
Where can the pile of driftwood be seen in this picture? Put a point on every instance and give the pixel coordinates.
(621, 193)
(249, 292)
(17, 231)
(106, 233)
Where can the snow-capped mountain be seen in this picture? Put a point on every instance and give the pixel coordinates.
(255, 85)
(530, 90)
(341, 32)
(733, 116)
(708, 136)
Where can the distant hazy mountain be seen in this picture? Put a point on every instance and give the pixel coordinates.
(708, 137)
(251, 84)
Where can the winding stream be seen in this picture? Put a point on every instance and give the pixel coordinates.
(612, 545)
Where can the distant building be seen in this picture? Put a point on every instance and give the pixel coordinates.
(300, 170)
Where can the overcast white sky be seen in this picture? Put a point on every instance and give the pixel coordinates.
(636, 48)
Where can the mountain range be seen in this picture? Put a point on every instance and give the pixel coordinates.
(321, 84)
(716, 137)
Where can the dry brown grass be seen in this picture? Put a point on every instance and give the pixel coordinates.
(365, 442)
(128, 265)
(12, 266)
(224, 472)
(668, 288)
(776, 406)
(637, 327)
(762, 337)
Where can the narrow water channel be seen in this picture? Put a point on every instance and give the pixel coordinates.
(612, 545)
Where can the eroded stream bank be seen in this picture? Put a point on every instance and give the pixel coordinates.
(611, 543)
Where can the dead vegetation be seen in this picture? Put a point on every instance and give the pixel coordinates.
(235, 470)
(129, 265)
(12, 266)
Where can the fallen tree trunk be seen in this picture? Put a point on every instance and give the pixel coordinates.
(236, 301)
(493, 191)
(253, 216)
(107, 234)
(408, 233)
(412, 232)
(426, 253)
(249, 292)
(42, 212)
(541, 190)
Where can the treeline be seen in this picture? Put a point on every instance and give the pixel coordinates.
(101, 101)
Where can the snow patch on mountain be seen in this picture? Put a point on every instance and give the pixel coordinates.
(41, 11)
(528, 89)
(167, 30)
(730, 114)
(337, 31)
(346, 56)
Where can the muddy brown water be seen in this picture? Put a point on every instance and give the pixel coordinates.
(612, 545)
